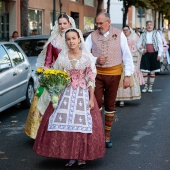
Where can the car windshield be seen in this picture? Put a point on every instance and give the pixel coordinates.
(32, 47)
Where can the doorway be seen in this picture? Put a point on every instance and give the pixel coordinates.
(75, 16)
(4, 27)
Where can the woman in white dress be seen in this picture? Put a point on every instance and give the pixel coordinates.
(134, 92)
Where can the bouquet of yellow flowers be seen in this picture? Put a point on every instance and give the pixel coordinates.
(54, 81)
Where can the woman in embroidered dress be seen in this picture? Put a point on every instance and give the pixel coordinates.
(74, 130)
(46, 59)
(132, 93)
(165, 58)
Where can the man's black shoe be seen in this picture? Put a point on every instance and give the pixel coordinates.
(108, 144)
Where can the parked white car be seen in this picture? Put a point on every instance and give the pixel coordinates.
(16, 80)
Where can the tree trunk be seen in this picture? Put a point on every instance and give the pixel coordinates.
(159, 19)
(108, 6)
(155, 20)
(99, 6)
(125, 12)
(24, 17)
(162, 20)
(60, 5)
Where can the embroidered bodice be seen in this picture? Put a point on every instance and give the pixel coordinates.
(81, 72)
(78, 77)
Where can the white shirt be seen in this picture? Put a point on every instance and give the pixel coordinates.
(149, 41)
(127, 57)
(169, 35)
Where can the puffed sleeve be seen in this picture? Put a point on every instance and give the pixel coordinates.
(91, 74)
(58, 65)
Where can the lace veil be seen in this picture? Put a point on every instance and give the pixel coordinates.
(133, 34)
(83, 47)
(54, 33)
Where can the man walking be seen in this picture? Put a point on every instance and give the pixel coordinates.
(150, 44)
(110, 48)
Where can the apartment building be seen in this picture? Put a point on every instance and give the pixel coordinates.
(40, 15)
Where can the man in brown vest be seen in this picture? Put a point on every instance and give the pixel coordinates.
(109, 47)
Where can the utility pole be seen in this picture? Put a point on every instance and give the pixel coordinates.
(54, 12)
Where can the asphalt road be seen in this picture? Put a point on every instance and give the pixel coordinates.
(141, 137)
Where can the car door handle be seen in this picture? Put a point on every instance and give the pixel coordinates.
(14, 73)
(26, 68)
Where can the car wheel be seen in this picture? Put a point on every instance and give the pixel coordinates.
(29, 95)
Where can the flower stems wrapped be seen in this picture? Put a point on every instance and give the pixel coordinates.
(54, 81)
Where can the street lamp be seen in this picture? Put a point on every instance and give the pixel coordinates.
(54, 11)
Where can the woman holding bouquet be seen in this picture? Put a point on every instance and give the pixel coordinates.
(73, 130)
(45, 60)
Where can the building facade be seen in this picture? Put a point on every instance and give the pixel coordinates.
(136, 18)
(40, 15)
(116, 12)
(9, 18)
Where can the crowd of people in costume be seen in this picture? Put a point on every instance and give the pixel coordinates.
(109, 66)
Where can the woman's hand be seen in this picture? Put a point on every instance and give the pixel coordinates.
(90, 104)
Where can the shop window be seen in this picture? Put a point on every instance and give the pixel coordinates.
(51, 19)
(35, 21)
(4, 21)
(88, 24)
(75, 16)
(89, 2)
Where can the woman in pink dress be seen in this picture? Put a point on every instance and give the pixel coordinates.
(134, 92)
(73, 130)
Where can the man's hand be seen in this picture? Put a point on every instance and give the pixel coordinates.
(158, 58)
(126, 82)
(101, 60)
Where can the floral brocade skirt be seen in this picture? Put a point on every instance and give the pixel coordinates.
(130, 93)
(71, 145)
(33, 119)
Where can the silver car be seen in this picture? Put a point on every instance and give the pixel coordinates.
(16, 81)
